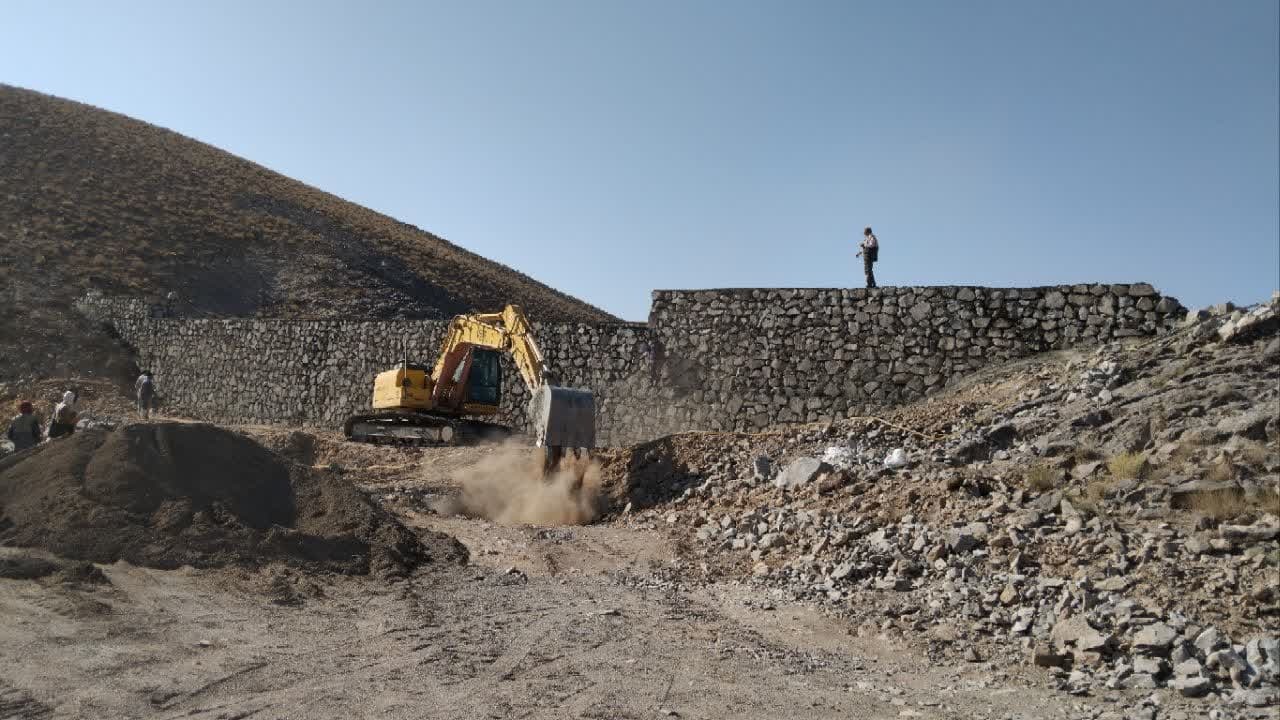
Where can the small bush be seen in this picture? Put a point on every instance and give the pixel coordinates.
(1042, 477)
(1223, 471)
(1127, 465)
(1085, 454)
(1227, 504)
(1088, 503)
(1096, 492)
(1255, 454)
(1183, 454)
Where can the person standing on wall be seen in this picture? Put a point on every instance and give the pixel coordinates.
(870, 254)
(145, 388)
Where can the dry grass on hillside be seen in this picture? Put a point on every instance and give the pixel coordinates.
(93, 199)
(1228, 504)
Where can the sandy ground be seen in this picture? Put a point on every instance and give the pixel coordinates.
(600, 621)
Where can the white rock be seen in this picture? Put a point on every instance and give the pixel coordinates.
(840, 458)
(1192, 686)
(1209, 640)
(800, 472)
(1188, 668)
(896, 458)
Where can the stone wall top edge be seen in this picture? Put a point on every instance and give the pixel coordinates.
(134, 308)
(670, 292)
(319, 322)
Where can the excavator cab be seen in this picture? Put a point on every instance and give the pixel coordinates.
(484, 380)
(470, 381)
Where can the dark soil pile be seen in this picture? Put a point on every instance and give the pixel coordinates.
(166, 495)
(24, 565)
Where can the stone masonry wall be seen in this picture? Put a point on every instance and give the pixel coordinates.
(319, 372)
(707, 360)
(745, 359)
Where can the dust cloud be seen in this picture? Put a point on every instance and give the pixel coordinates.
(508, 487)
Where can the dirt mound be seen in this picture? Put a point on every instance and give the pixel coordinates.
(28, 565)
(168, 494)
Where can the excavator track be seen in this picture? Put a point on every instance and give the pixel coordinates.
(421, 429)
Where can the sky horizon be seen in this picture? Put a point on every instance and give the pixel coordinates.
(611, 149)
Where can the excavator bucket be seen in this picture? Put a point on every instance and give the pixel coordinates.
(563, 417)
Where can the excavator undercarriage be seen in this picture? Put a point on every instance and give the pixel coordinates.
(421, 429)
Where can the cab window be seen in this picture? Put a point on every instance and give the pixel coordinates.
(484, 382)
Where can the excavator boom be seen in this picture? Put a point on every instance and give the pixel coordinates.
(561, 417)
(507, 331)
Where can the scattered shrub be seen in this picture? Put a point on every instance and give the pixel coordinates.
(1042, 477)
(1256, 454)
(1227, 504)
(1223, 471)
(1096, 492)
(1087, 503)
(1084, 453)
(1127, 465)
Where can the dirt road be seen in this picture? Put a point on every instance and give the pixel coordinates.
(581, 622)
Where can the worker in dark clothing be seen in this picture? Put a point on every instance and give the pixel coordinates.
(870, 254)
(24, 430)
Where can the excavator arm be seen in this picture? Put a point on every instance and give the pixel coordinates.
(561, 417)
(508, 331)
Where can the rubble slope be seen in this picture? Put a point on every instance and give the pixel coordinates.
(1110, 513)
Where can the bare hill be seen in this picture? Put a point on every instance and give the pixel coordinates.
(91, 199)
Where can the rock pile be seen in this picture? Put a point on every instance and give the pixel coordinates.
(1112, 516)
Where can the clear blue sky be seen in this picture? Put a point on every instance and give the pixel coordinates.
(608, 148)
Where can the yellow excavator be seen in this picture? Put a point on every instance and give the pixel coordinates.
(439, 406)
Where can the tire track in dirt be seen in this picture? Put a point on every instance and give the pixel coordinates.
(18, 704)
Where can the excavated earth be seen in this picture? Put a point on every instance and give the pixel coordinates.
(169, 494)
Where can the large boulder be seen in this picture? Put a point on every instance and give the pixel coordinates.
(1262, 320)
(1078, 633)
(800, 472)
(1154, 639)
